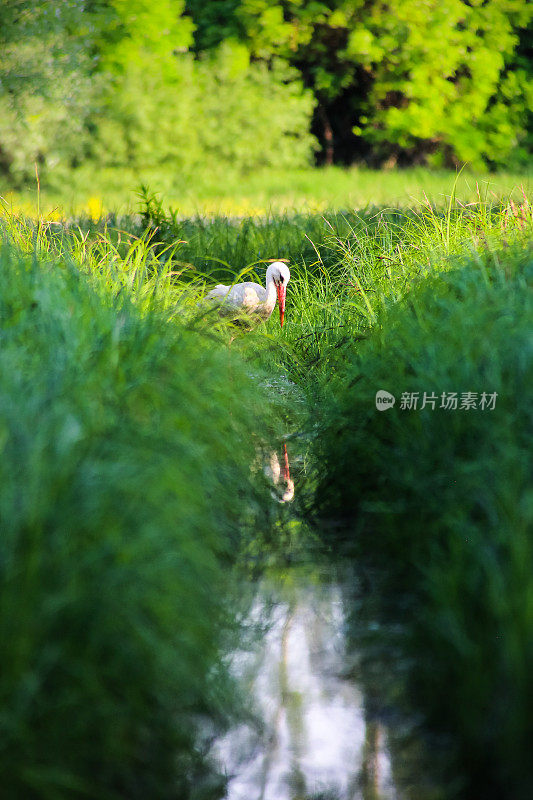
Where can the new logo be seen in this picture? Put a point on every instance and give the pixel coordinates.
(384, 400)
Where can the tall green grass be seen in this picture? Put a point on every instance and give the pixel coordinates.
(439, 501)
(125, 490)
(354, 264)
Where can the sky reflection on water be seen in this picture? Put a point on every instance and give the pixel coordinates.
(312, 739)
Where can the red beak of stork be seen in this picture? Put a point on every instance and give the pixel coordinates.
(281, 289)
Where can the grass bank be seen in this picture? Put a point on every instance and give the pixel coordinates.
(433, 497)
(125, 489)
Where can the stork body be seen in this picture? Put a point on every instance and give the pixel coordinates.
(251, 300)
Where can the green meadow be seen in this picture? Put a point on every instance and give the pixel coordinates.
(134, 425)
(228, 192)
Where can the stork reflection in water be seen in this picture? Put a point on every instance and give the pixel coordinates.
(279, 473)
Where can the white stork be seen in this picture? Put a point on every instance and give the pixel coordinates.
(250, 300)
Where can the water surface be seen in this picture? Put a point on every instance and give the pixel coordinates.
(310, 737)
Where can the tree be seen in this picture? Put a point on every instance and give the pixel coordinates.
(445, 82)
(45, 90)
(397, 80)
(165, 106)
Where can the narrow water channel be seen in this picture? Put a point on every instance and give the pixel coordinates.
(308, 737)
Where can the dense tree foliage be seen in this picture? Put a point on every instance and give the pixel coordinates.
(249, 83)
(435, 81)
(115, 81)
(163, 105)
(46, 83)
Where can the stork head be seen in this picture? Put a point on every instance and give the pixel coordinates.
(280, 274)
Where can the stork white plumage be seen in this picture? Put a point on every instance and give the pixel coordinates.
(251, 300)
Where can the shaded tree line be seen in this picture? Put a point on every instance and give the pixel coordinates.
(249, 83)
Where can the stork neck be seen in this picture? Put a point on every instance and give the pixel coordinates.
(271, 294)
